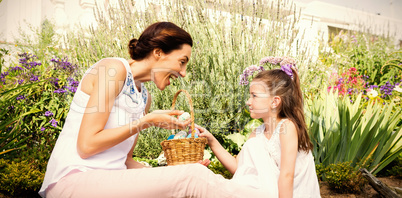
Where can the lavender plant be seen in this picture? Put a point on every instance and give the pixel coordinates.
(37, 100)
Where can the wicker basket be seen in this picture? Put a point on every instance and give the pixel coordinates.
(187, 150)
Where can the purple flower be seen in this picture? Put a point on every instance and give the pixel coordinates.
(278, 60)
(34, 78)
(386, 89)
(60, 91)
(288, 70)
(73, 83)
(72, 89)
(53, 122)
(64, 64)
(270, 59)
(16, 68)
(4, 74)
(20, 97)
(21, 81)
(249, 71)
(27, 60)
(48, 113)
(42, 129)
(55, 81)
(3, 77)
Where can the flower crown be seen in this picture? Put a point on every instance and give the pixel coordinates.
(285, 62)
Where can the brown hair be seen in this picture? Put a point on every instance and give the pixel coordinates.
(288, 89)
(164, 35)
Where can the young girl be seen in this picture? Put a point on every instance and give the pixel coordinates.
(276, 159)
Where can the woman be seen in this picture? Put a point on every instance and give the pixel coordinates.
(93, 154)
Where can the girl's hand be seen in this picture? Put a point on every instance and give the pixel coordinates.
(205, 162)
(167, 119)
(205, 133)
(228, 161)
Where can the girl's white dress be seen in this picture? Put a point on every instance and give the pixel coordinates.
(260, 161)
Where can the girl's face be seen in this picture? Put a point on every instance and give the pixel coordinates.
(260, 101)
(170, 66)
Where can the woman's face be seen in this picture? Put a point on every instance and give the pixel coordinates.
(171, 66)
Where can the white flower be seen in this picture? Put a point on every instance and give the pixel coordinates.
(397, 88)
(162, 159)
(371, 93)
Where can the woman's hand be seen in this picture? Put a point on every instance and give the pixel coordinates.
(167, 119)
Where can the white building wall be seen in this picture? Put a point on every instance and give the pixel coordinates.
(345, 18)
(17, 13)
(67, 14)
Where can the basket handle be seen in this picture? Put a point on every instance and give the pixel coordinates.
(191, 109)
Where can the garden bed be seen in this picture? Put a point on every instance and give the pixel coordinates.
(368, 191)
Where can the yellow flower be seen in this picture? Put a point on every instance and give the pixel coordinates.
(371, 93)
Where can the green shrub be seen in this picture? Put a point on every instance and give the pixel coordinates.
(148, 143)
(20, 179)
(393, 169)
(320, 169)
(217, 167)
(396, 168)
(3, 52)
(344, 178)
(151, 162)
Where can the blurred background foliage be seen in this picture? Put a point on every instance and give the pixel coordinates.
(352, 91)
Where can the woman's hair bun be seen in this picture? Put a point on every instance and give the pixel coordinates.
(132, 43)
(131, 48)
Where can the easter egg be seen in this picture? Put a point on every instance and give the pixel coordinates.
(170, 137)
(184, 116)
(197, 132)
(195, 135)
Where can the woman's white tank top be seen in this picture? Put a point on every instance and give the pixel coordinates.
(128, 106)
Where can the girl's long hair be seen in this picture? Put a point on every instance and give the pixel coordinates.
(288, 89)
